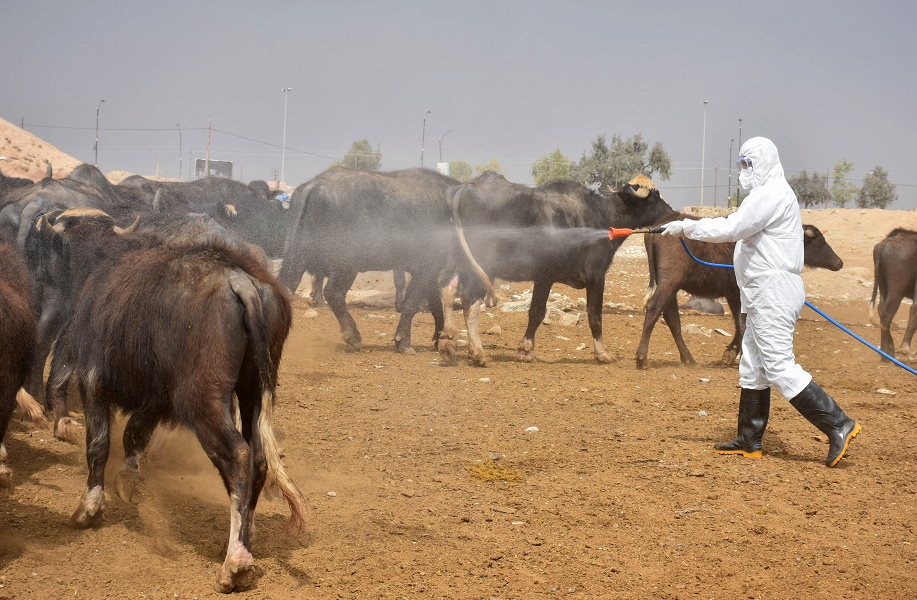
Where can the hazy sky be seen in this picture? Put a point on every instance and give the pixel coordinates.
(511, 80)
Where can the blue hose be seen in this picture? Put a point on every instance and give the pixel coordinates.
(816, 309)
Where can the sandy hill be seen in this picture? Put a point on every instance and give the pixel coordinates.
(24, 155)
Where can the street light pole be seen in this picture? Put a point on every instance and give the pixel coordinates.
(703, 155)
(729, 186)
(96, 147)
(441, 144)
(179, 151)
(738, 184)
(423, 137)
(283, 150)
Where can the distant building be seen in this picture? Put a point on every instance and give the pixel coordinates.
(218, 168)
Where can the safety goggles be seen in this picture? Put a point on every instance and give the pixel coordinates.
(744, 162)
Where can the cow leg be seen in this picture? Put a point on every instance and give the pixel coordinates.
(434, 301)
(98, 441)
(336, 296)
(595, 292)
(316, 293)
(49, 325)
(137, 434)
(887, 309)
(418, 286)
(400, 281)
(472, 313)
(673, 321)
(7, 403)
(231, 455)
(248, 391)
(537, 310)
(904, 352)
(653, 312)
(56, 398)
(735, 346)
(447, 345)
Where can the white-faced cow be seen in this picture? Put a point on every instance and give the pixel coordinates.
(346, 222)
(175, 333)
(672, 269)
(557, 233)
(895, 264)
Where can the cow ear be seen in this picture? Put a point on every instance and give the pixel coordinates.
(133, 227)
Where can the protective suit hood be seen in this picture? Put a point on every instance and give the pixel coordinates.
(765, 162)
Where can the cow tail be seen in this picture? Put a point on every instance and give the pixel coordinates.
(876, 265)
(491, 298)
(257, 326)
(651, 265)
(31, 407)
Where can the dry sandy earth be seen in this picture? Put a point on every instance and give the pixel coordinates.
(427, 481)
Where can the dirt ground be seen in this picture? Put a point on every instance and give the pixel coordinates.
(562, 478)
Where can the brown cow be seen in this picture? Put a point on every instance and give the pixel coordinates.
(671, 269)
(895, 263)
(17, 340)
(176, 333)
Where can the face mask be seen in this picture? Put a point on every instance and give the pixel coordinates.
(747, 179)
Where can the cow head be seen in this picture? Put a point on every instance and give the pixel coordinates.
(61, 221)
(817, 251)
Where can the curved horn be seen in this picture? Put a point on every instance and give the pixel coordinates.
(157, 201)
(49, 175)
(133, 227)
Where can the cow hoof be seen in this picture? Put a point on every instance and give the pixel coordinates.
(479, 360)
(85, 517)
(729, 357)
(603, 358)
(642, 363)
(236, 573)
(448, 354)
(5, 481)
(65, 430)
(129, 486)
(526, 356)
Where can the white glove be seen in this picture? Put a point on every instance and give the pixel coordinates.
(674, 228)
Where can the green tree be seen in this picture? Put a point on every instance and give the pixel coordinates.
(621, 161)
(811, 190)
(842, 191)
(877, 191)
(492, 165)
(460, 170)
(361, 156)
(551, 167)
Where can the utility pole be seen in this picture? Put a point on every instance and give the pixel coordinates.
(207, 160)
(179, 151)
(738, 183)
(423, 137)
(96, 147)
(703, 152)
(716, 168)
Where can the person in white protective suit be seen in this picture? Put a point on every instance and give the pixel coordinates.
(767, 229)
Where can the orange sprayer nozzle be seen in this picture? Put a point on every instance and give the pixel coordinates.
(614, 234)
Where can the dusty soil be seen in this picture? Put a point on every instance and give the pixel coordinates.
(561, 478)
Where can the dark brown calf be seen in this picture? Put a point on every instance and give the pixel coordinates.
(17, 340)
(895, 263)
(671, 269)
(174, 333)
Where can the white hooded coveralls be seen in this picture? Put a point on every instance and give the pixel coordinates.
(767, 229)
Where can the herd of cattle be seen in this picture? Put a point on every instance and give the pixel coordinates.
(129, 282)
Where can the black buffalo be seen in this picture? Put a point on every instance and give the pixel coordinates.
(175, 333)
(17, 340)
(895, 264)
(347, 222)
(671, 270)
(249, 210)
(557, 233)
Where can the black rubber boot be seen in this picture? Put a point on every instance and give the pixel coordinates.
(754, 408)
(821, 410)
